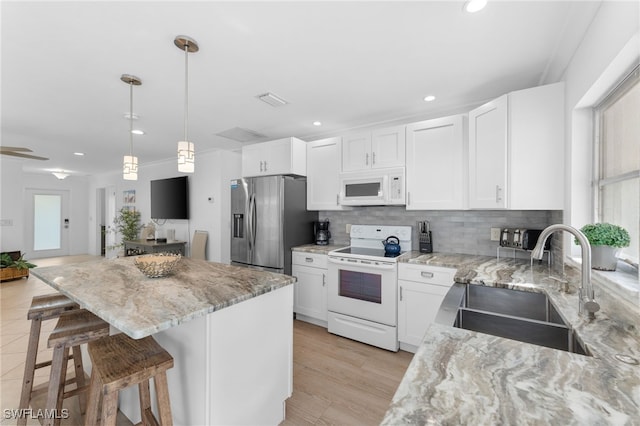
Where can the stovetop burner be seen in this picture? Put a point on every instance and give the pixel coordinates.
(363, 251)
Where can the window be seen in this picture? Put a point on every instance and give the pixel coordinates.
(617, 165)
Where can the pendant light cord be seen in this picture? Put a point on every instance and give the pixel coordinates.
(131, 118)
(186, 92)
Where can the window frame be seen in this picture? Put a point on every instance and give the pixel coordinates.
(628, 81)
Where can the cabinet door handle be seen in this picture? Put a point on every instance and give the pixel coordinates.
(337, 199)
(308, 259)
(366, 159)
(426, 274)
(373, 158)
(401, 293)
(498, 197)
(323, 280)
(261, 166)
(408, 198)
(265, 165)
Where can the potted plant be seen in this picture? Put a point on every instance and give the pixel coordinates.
(13, 265)
(126, 223)
(606, 240)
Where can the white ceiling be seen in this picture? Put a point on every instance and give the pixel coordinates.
(346, 64)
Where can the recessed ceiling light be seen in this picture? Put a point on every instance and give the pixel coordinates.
(137, 132)
(317, 123)
(429, 98)
(79, 154)
(473, 6)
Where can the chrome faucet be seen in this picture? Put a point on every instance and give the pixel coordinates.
(587, 302)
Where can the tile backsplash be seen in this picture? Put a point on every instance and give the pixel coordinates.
(453, 231)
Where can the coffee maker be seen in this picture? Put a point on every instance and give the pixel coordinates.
(321, 232)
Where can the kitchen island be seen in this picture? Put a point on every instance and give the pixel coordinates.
(461, 377)
(228, 328)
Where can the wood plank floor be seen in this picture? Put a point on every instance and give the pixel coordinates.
(336, 380)
(340, 381)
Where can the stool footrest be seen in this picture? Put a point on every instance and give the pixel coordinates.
(48, 363)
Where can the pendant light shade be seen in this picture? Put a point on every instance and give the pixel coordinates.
(186, 149)
(130, 168)
(130, 163)
(186, 157)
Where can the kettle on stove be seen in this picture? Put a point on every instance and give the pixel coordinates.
(391, 245)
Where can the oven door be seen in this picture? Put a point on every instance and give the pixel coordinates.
(363, 289)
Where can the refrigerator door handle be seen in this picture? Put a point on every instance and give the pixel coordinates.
(250, 224)
(254, 219)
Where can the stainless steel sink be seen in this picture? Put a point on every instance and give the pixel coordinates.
(513, 314)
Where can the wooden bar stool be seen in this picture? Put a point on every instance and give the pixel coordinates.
(119, 362)
(45, 307)
(73, 329)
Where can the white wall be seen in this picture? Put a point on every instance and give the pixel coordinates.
(208, 199)
(15, 183)
(611, 46)
(11, 205)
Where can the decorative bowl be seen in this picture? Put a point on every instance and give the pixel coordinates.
(157, 265)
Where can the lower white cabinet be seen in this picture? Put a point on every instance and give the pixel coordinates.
(421, 290)
(310, 291)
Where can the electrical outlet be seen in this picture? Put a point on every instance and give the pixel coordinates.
(495, 234)
(348, 228)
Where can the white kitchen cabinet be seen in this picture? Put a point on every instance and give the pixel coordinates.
(286, 156)
(421, 290)
(374, 149)
(310, 291)
(516, 151)
(323, 167)
(436, 176)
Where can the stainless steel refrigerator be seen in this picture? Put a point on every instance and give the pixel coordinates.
(268, 218)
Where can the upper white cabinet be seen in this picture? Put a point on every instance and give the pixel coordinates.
(286, 156)
(436, 176)
(516, 151)
(323, 168)
(373, 150)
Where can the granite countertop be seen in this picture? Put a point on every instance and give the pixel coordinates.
(116, 291)
(313, 248)
(463, 377)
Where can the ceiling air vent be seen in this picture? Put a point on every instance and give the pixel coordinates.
(271, 99)
(241, 135)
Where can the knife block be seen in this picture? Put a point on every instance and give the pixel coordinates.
(426, 243)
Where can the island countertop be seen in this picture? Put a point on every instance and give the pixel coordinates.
(116, 291)
(463, 377)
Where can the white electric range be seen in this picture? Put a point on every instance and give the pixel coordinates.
(362, 286)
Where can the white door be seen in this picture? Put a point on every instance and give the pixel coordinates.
(356, 152)
(323, 168)
(488, 155)
(435, 157)
(388, 147)
(418, 305)
(310, 292)
(48, 223)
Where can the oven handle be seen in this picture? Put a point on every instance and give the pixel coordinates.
(358, 262)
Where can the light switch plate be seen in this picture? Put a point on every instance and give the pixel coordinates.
(495, 234)
(348, 228)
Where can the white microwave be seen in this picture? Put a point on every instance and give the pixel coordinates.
(379, 187)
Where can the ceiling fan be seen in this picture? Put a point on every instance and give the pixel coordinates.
(19, 152)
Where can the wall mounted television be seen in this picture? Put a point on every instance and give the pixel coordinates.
(170, 198)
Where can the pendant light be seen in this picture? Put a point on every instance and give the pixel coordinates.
(130, 164)
(186, 151)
